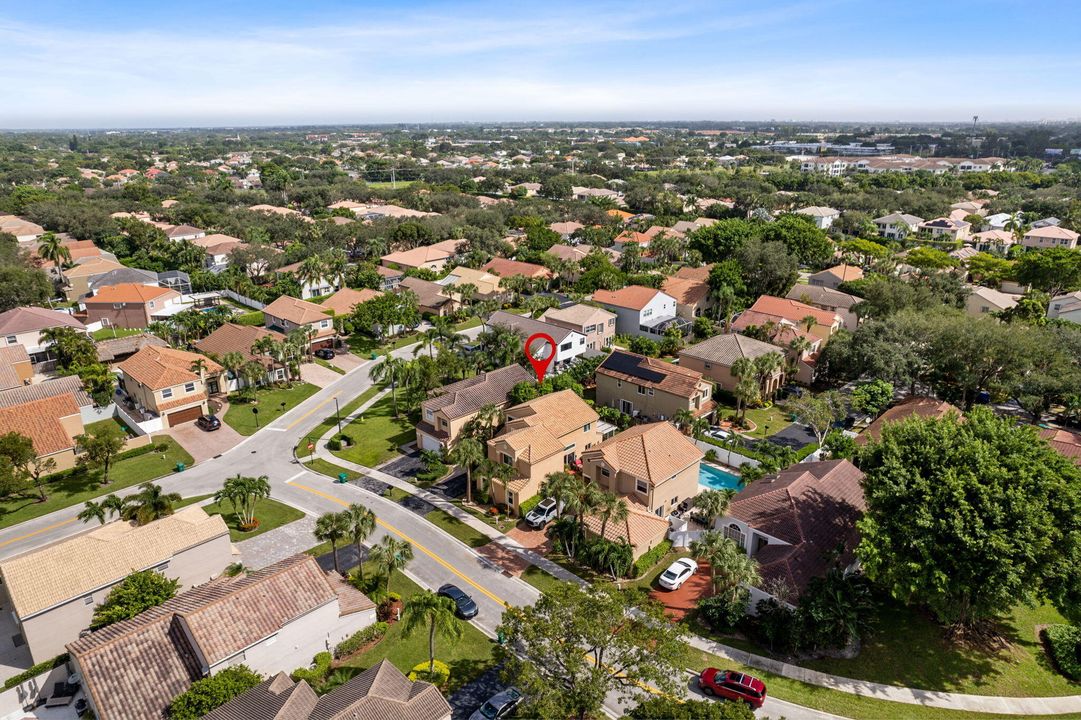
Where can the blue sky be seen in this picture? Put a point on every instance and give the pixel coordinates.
(141, 64)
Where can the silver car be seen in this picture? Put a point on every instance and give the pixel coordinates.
(499, 706)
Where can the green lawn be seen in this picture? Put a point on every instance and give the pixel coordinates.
(466, 533)
(376, 435)
(329, 469)
(115, 332)
(328, 366)
(363, 345)
(844, 704)
(270, 514)
(254, 318)
(467, 658)
(768, 421)
(646, 582)
(239, 416)
(541, 579)
(115, 420)
(82, 485)
(331, 421)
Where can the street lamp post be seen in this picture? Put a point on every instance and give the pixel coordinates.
(337, 414)
(255, 412)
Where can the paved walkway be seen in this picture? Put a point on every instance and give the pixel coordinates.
(952, 701)
(278, 544)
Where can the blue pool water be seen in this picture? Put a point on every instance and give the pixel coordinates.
(713, 477)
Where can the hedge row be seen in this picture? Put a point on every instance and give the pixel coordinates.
(36, 670)
(359, 639)
(1064, 644)
(651, 558)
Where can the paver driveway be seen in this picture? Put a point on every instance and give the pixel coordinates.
(677, 603)
(204, 445)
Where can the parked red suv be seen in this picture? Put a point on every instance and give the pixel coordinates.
(733, 686)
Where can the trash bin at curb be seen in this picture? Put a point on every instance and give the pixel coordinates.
(342, 477)
(180, 467)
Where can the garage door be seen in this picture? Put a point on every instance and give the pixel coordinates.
(427, 442)
(183, 416)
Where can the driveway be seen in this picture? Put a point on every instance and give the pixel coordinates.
(678, 603)
(529, 538)
(472, 695)
(203, 445)
(318, 375)
(794, 436)
(346, 361)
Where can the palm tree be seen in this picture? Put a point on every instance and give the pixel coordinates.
(331, 528)
(742, 369)
(93, 511)
(713, 504)
(244, 493)
(335, 263)
(311, 271)
(435, 611)
(113, 504)
(390, 555)
(393, 370)
(808, 322)
(683, 418)
(232, 362)
(149, 504)
(765, 366)
(361, 523)
(52, 248)
(468, 453)
(611, 507)
(489, 417)
(730, 568)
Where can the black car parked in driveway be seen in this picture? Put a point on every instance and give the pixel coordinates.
(208, 422)
(464, 605)
(324, 354)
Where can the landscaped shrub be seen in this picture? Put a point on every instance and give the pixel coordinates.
(711, 455)
(776, 626)
(334, 444)
(721, 613)
(359, 639)
(35, 671)
(432, 473)
(345, 439)
(213, 692)
(604, 556)
(315, 674)
(664, 708)
(651, 558)
(1064, 644)
(439, 676)
(524, 508)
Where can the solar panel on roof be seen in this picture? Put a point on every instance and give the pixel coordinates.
(630, 365)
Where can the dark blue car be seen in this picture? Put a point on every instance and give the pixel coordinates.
(464, 605)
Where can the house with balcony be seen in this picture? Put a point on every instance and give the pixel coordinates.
(288, 313)
(596, 325)
(569, 344)
(645, 387)
(642, 311)
(173, 385)
(540, 437)
(450, 407)
(715, 356)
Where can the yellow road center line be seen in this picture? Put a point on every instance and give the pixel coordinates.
(305, 415)
(411, 541)
(62, 523)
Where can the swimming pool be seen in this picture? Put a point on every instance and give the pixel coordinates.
(717, 479)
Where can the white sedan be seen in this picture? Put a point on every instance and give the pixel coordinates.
(677, 573)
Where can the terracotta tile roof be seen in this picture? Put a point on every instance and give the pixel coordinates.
(923, 407)
(509, 268)
(641, 370)
(700, 273)
(350, 600)
(383, 692)
(298, 312)
(579, 315)
(342, 302)
(69, 568)
(278, 698)
(92, 267)
(112, 348)
(1052, 231)
(811, 506)
(725, 350)
(389, 272)
(69, 384)
(130, 293)
(27, 319)
(641, 529)
(654, 452)
(1064, 442)
(842, 272)
(634, 297)
(161, 367)
(486, 282)
(468, 396)
(216, 621)
(418, 256)
(565, 228)
(686, 292)
(791, 310)
(784, 332)
(232, 337)
(818, 295)
(535, 429)
(39, 420)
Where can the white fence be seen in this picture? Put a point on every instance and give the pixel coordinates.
(140, 427)
(243, 299)
(727, 457)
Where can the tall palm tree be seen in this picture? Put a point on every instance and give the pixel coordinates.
(244, 494)
(611, 507)
(713, 504)
(113, 504)
(311, 271)
(93, 511)
(808, 322)
(52, 248)
(683, 418)
(730, 568)
(437, 613)
(331, 528)
(199, 367)
(468, 453)
(335, 263)
(742, 370)
(765, 366)
(361, 523)
(390, 555)
(232, 362)
(149, 504)
(393, 371)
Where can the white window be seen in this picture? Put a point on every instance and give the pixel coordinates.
(647, 312)
(506, 459)
(733, 533)
(324, 323)
(151, 304)
(590, 328)
(11, 339)
(641, 390)
(189, 387)
(167, 393)
(586, 427)
(642, 486)
(428, 415)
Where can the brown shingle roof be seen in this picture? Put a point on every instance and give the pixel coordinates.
(811, 506)
(579, 315)
(232, 337)
(819, 295)
(654, 452)
(112, 348)
(39, 420)
(923, 407)
(161, 367)
(674, 379)
(466, 397)
(429, 294)
(67, 569)
(725, 350)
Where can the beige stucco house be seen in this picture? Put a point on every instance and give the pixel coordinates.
(168, 382)
(596, 324)
(715, 357)
(650, 388)
(450, 407)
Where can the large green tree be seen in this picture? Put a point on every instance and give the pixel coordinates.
(137, 592)
(212, 692)
(969, 517)
(810, 245)
(1053, 271)
(576, 645)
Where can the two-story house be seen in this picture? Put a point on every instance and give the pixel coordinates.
(715, 356)
(569, 344)
(1050, 236)
(650, 388)
(50, 420)
(540, 437)
(23, 326)
(822, 217)
(596, 325)
(450, 407)
(288, 313)
(897, 226)
(129, 305)
(654, 466)
(234, 338)
(824, 298)
(832, 277)
(168, 382)
(692, 297)
(814, 321)
(945, 228)
(641, 310)
(429, 257)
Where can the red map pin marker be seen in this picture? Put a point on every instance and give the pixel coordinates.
(540, 365)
